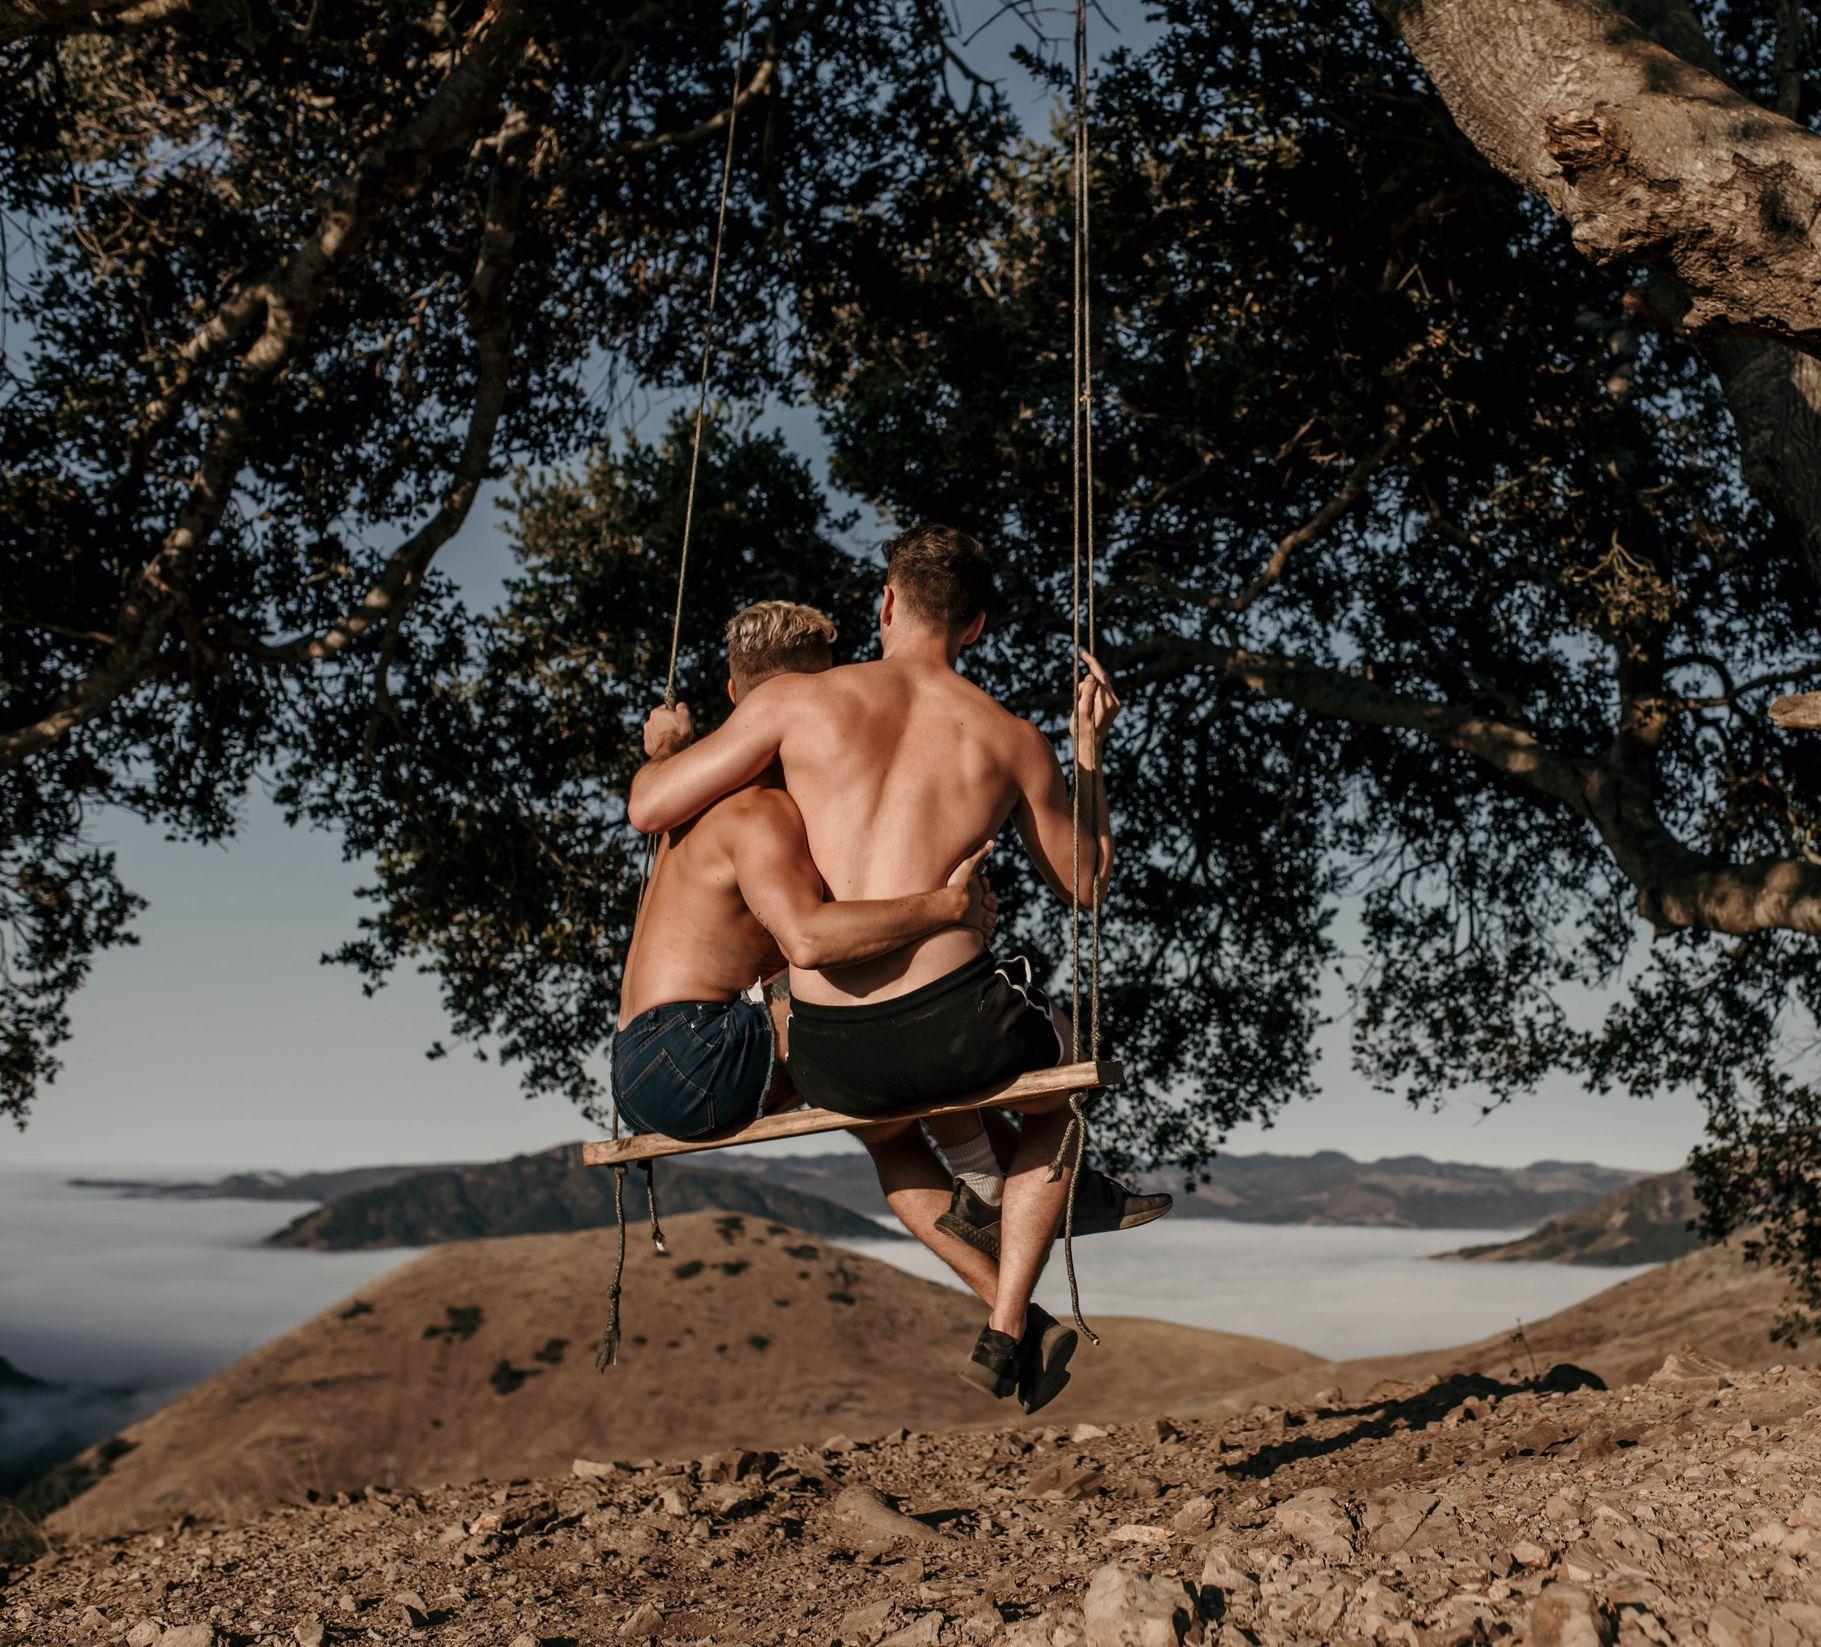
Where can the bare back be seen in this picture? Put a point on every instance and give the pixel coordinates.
(900, 768)
(695, 939)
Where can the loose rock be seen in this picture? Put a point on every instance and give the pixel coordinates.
(1128, 1609)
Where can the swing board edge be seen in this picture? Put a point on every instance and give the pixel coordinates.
(799, 1123)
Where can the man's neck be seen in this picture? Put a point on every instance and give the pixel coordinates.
(931, 647)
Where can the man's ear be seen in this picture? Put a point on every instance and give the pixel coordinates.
(972, 632)
(733, 692)
(888, 605)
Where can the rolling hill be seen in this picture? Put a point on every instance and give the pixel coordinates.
(1644, 1223)
(1711, 1299)
(476, 1360)
(548, 1194)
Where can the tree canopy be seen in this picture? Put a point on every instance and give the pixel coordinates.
(1439, 563)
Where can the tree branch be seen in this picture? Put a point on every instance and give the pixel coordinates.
(397, 586)
(1316, 527)
(1677, 886)
(22, 18)
(390, 172)
(1649, 157)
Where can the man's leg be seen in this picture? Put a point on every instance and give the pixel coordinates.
(969, 1151)
(918, 1190)
(1033, 1205)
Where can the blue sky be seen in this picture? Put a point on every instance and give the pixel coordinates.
(220, 1041)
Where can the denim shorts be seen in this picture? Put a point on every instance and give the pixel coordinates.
(692, 1067)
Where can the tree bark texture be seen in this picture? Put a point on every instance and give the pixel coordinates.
(1618, 116)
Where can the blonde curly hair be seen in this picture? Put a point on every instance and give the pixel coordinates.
(776, 637)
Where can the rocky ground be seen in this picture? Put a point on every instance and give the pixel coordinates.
(1682, 1511)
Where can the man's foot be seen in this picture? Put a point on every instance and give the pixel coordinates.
(1043, 1358)
(995, 1364)
(972, 1219)
(1101, 1204)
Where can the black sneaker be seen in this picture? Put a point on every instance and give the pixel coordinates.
(1043, 1358)
(1101, 1204)
(971, 1219)
(996, 1364)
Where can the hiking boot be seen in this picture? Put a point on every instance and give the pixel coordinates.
(1043, 1358)
(1101, 1204)
(996, 1363)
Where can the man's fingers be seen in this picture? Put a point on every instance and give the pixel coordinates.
(964, 871)
(974, 861)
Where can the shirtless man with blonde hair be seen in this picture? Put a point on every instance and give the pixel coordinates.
(899, 768)
(733, 897)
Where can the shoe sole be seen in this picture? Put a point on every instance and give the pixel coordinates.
(987, 1240)
(986, 1380)
(1054, 1377)
(972, 1235)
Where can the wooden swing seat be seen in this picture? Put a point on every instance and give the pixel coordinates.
(799, 1123)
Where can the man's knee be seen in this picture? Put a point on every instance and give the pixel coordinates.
(1047, 1105)
(883, 1137)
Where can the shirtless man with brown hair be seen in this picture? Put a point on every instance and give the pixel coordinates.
(899, 767)
(733, 897)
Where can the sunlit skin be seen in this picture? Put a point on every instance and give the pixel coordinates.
(898, 767)
(734, 897)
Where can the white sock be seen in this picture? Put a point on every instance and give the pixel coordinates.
(975, 1164)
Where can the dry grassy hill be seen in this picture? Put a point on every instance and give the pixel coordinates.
(1644, 1223)
(1712, 1299)
(476, 1360)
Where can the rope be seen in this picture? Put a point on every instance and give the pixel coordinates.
(714, 291)
(651, 1202)
(608, 1352)
(610, 1335)
(1081, 454)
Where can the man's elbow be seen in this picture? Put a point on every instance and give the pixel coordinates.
(642, 813)
(806, 949)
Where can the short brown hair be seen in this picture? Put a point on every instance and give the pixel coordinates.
(942, 575)
(777, 637)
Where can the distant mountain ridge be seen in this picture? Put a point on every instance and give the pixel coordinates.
(1644, 1223)
(551, 1193)
(270, 1186)
(1329, 1187)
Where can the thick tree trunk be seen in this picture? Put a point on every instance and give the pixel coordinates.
(1774, 395)
(1650, 158)
(18, 18)
(1617, 115)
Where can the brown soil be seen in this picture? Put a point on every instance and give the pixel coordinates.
(1686, 1512)
(1712, 1298)
(477, 1360)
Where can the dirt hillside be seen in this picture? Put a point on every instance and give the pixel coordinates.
(476, 1360)
(1712, 1298)
(1684, 1513)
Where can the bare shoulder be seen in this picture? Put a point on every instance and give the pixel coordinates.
(1025, 741)
(781, 695)
(760, 809)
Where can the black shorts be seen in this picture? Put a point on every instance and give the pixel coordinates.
(982, 1023)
